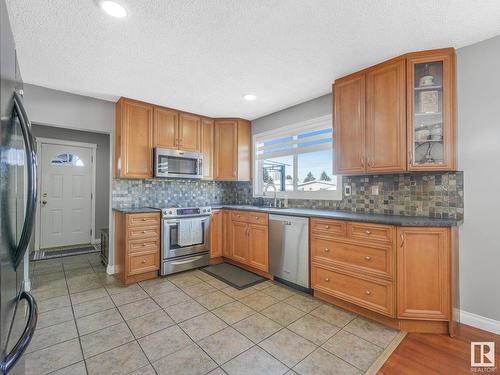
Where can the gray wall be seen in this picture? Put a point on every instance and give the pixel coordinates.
(318, 107)
(62, 109)
(102, 165)
(479, 157)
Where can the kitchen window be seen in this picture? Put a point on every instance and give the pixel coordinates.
(296, 161)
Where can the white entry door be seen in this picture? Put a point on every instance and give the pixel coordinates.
(65, 196)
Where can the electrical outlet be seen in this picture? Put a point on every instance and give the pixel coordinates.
(347, 190)
(375, 190)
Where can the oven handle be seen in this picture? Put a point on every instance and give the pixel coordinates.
(176, 221)
(187, 260)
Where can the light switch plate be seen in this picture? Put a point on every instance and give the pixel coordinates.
(347, 190)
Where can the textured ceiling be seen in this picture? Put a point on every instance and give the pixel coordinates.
(203, 55)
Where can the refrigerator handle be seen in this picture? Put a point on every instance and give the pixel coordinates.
(31, 161)
(18, 350)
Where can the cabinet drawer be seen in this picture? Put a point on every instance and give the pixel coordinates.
(143, 219)
(144, 232)
(369, 293)
(143, 262)
(335, 228)
(257, 218)
(240, 216)
(370, 232)
(372, 260)
(138, 246)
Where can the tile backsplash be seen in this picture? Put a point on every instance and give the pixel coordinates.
(437, 195)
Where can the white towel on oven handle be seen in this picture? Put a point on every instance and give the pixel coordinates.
(197, 230)
(185, 232)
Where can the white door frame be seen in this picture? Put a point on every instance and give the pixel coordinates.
(93, 147)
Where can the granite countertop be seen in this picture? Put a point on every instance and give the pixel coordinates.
(404, 221)
(135, 210)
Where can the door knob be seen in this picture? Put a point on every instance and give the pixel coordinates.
(327, 227)
(327, 279)
(368, 232)
(367, 292)
(368, 257)
(327, 249)
(143, 261)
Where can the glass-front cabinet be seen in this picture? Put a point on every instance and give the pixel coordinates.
(431, 111)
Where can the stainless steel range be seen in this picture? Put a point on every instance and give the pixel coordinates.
(185, 240)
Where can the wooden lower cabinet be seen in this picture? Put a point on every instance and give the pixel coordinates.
(423, 267)
(245, 238)
(401, 276)
(258, 252)
(216, 239)
(137, 246)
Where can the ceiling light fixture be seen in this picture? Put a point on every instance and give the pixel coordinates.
(250, 97)
(113, 9)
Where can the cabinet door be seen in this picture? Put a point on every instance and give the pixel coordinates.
(226, 150)
(349, 125)
(258, 254)
(386, 118)
(216, 234)
(226, 234)
(166, 123)
(431, 111)
(239, 241)
(189, 132)
(423, 272)
(244, 150)
(137, 143)
(207, 147)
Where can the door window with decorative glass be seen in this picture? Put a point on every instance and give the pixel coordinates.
(296, 161)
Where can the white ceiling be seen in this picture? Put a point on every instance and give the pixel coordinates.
(203, 55)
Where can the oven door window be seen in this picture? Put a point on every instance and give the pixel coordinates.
(182, 166)
(174, 236)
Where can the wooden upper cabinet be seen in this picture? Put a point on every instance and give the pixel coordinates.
(386, 117)
(207, 147)
(134, 139)
(226, 150)
(423, 271)
(431, 110)
(166, 123)
(244, 151)
(349, 125)
(189, 132)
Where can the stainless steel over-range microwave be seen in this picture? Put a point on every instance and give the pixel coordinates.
(176, 163)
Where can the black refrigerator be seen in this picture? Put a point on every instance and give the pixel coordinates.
(18, 195)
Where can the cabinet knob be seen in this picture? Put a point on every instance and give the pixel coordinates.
(143, 231)
(143, 261)
(327, 249)
(327, 279)
(256, 218)
(367, 292)
(368, 257)
(144, 219)
(327, 227)
(368, 232)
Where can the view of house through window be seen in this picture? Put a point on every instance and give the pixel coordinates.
(297, 161)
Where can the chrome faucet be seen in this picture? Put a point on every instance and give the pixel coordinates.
(275, 191)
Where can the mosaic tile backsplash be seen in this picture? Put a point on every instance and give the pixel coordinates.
(439, 195)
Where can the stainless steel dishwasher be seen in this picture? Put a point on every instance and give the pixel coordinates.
(289, 250)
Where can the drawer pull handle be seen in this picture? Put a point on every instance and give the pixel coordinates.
(327, 227)
(327, 279)
(367, 292)
(143, 261)
(368, 257)
(368, 232)
(327, 249)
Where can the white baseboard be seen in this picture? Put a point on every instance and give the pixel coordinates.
(481, 322)
(110, 270)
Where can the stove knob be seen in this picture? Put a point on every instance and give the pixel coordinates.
(170, 212)
(204, 210)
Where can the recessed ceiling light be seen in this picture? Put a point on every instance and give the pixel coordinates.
(113, 9)
(250, 97)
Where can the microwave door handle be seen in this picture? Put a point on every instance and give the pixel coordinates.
(31, 162)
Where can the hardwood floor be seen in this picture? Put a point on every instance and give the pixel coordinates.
(432, 354)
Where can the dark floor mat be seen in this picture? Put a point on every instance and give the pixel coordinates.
(63, 252)
(234, 276)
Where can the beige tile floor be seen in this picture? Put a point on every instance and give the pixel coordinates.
(189, 323)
